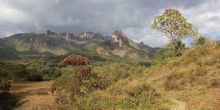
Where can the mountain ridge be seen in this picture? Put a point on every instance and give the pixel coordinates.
(53, 43)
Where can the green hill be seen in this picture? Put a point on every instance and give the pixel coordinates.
(51, 43)
(7, 51)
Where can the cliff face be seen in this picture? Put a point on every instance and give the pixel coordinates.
(119, 40)
(52, 42)
(79, 36)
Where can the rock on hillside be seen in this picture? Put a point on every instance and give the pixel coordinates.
(120, 45)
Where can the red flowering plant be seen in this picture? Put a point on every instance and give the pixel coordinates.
(77, 80)
(75, 60)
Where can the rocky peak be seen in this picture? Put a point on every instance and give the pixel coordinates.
(119, 40)
(68, 36)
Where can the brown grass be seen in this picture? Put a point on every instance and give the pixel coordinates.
(193, 78)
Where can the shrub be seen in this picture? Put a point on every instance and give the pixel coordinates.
(162, 55)
(130, 98)
(178, 48)
(75, 83)
(202, 40)
(4, 86)
(141, 96)
(99, 100)
(75, 60)
(110, 73)
(35, 77)
(49, 73)
(12, 71)
(42, 70)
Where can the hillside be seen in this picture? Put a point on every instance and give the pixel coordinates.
(192, 79)
(189, 82)
(52, 43)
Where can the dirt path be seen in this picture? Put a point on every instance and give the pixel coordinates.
(34, 96)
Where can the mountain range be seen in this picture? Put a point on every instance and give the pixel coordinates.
(53, 43)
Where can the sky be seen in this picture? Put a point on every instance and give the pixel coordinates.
(133, 17)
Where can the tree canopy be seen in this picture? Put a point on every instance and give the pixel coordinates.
(174, 25)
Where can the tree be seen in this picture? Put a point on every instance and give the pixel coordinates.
(174, 25)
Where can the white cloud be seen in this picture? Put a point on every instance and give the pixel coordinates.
(146, 35)
(10, 14)
(205, 17)
(134, 17)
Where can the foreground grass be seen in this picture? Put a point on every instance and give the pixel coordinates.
(187, 82)
(193, 78)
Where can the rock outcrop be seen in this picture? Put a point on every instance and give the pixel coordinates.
(119, 40)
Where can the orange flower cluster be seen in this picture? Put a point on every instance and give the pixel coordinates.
(75, 60)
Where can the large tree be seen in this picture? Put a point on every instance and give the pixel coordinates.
(174, 25)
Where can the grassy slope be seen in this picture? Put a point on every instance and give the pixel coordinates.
(6, 51)
(193, 78)
(191, 82)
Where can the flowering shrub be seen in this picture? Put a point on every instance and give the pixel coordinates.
(75, 60)
(83, 70)
(74, 83)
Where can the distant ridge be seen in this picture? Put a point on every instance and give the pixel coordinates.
(54, 43)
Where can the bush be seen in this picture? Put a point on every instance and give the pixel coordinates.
(140, 96)
(162, 55)
(75, 83)
(49, 73)
(42, 70)
(179, 47)
(99, 100)
(12, 71)
(202, 40)
(110, 73)
(35, 77)
(75, 60)
(5, 86)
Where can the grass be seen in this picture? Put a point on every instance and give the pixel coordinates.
(192, 78)
(110, 86)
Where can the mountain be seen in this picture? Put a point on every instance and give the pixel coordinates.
(120, 45)
(7, 51)
(53, 43)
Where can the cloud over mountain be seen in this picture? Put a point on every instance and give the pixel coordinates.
(134, 17)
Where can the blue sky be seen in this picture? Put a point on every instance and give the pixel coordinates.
(215, 35)
(133, 17)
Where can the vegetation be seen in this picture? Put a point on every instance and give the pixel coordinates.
(28, 70)
(100, 87)
(85, 80)
(174, 25)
